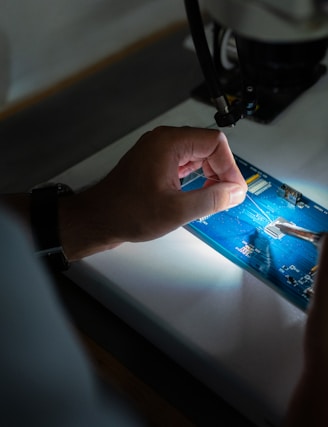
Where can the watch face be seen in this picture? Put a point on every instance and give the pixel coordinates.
(54, 258)
(63, 189)
(59, 187)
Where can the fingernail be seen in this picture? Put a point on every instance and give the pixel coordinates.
(237, 195)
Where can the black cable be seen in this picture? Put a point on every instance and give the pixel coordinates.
(226, 115)
(202, 50)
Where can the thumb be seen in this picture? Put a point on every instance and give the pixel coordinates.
(212, 199)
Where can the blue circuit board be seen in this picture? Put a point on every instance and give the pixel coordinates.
(246, 234)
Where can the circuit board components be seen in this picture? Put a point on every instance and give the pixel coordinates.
(273, 230)
(290, 194)
(249, 234)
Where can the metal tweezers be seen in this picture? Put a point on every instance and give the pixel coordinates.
(301, 233)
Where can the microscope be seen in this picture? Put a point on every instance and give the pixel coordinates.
(264, 54)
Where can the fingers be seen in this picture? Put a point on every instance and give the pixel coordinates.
(197, 147)
(186, 149)
(226, 186)
(212, 199)
(221, 163)
(144, 187)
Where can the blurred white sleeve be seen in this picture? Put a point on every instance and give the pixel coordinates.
(45, 376)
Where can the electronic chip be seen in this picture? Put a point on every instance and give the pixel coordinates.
(274, 231)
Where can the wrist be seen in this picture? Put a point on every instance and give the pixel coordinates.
(45, 224)
(81, 229)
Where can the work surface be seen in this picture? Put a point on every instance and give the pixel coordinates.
(225, 326)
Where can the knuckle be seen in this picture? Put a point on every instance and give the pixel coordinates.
(220, 200)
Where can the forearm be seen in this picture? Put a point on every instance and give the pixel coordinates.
(81, 234)
(309, 403)
(78, 232)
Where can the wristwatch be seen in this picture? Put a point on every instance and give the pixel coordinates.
(44, 222)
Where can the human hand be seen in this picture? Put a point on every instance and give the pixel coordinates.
(309, 403)
(141, 198)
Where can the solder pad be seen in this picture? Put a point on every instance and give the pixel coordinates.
(246, 234)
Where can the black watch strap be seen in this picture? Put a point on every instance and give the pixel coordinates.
(44, 221)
